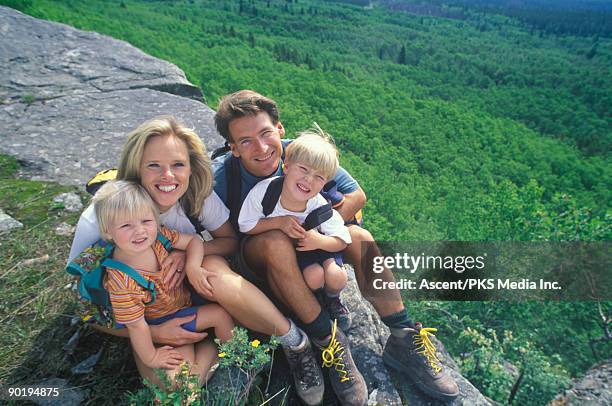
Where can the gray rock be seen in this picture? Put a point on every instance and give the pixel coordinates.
(7, 222)
(71, 202)
(64, 229)
(71, 97)
(42, 60)
(595, 388)
(68, 396)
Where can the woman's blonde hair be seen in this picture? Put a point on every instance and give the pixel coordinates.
(315, 148)
(120, 200)
(201, 179)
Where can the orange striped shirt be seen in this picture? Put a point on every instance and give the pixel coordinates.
(128, 298)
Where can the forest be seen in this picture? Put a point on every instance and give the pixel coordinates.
(465, 120)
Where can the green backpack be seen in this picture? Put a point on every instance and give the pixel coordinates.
(90, 268)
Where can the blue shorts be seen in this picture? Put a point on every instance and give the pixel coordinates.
(306, 258)
(187, 311)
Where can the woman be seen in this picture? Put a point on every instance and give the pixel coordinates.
(170, 162)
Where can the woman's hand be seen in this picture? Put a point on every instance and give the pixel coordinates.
(175, 263)
(199, 281)
(172, 333)
(165, 357)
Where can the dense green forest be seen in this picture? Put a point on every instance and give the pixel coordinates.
(462, 120)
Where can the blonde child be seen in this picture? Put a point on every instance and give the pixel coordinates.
(128, 219)
(311, 160)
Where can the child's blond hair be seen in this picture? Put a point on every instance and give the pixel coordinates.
(315, 148)
(118, 200)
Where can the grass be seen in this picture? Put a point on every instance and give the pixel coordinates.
(35, 305)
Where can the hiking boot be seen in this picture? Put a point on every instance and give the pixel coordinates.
(415, 355)
(338, 311)
(307, 375)
(347, 382)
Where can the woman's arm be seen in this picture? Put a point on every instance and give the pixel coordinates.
(224, 241)
(86, 234)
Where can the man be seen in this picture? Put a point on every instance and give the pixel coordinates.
(251, 126)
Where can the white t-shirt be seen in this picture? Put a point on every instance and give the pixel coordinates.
(214, 214)
(252, 212)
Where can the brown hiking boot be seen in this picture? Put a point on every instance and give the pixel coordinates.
(346, 380)
(307, 375)
(415, 355)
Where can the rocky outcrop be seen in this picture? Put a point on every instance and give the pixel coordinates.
(594, 389)
(69, 97)
(68, 100)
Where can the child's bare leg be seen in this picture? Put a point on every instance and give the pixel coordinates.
(205, 356)
(213, 315)
(335, 276)
(314, 276)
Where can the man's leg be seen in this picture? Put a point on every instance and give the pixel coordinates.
(391, 302)
(408, 349)
(272, 254)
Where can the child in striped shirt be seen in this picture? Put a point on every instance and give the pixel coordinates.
(128, 218)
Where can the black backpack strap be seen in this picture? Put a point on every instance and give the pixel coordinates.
(234, 188)
(272, 195)
(195, 222)
(220, 151)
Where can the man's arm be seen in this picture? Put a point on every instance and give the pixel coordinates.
(353, 202)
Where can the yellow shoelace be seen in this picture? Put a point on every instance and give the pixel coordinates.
(332, 355)
(426, 347)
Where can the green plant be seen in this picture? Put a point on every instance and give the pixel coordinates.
(28, 98)
(509, 369)
(185, 390)
(247, 357)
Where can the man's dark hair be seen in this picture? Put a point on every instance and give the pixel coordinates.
(241, 104)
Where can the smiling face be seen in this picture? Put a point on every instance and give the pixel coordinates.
(257, 142)
(165, 170)
(302, 182)
(135, 234)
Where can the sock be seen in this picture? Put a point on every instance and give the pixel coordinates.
(292, 338)
(319, 328)
(397, 322)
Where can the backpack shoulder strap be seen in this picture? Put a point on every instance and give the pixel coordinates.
(272, 195)
(195, 222)
(234, 188)
(129, 271)
(165, 242)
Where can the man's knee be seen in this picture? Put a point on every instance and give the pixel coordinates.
(359, 234)
(269, 244)
(272, 251)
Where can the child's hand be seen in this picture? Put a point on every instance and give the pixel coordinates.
(165, 357)
(311, 241)
(291, 226)
(199, 281)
